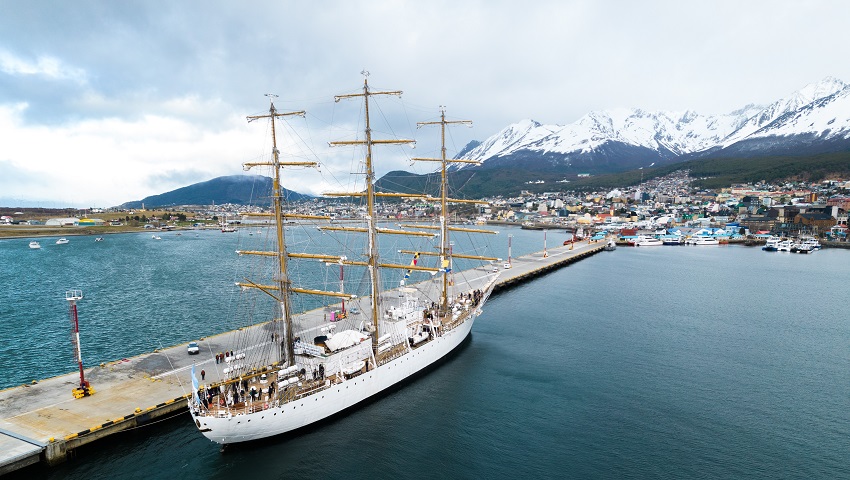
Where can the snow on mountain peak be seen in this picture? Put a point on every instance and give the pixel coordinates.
(821, 108)
(510, 139)
(797, 100)
(823, 88)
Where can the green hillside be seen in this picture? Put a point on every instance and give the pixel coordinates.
(710, 173)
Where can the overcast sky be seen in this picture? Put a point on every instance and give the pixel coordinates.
(106, 102)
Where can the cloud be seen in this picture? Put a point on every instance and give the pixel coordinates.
(104, 162)
(142, 96)
(43, 66)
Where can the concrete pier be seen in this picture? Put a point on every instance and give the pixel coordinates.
(43, 422)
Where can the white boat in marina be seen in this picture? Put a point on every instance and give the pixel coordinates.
(647, 241)
(319, 369)
(805, 245)
(802, 247)
(156, 237)
(35, 245)
(62, 241)
(772, 244)
(810, 244)
(702, 240)
(672, 240)
(785, 246)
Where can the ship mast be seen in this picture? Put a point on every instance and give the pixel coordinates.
(282, 281)
(445, 252)
(371, 216)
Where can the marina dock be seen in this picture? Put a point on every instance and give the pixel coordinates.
(43, 422)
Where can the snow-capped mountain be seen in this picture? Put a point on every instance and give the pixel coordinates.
(796, 101)
(818, 114)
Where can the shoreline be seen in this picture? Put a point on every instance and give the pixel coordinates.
(9, 233)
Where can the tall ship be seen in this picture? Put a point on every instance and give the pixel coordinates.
(293, 370)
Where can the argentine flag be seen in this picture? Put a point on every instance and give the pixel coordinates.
(195, 386)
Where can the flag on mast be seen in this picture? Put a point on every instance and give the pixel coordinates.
(194, 386)
(412, 264)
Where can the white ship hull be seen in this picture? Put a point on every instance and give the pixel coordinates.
(312, 408)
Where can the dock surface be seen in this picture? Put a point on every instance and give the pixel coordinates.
(43, 421)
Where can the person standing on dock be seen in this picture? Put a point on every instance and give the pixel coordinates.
(203, 374)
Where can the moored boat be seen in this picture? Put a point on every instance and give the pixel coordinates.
(702, 240)
(647, 241)
(672, 240)
(802, 248)
(810, 243)
(772, 244)
(35, 245)
(314, 369)
(62, 241)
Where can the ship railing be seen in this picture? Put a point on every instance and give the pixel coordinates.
(315, 388)
(457, 319)
(391, 354)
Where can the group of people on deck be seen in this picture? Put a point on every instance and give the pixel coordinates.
(240, 391)
(473, 298)
(222, 357)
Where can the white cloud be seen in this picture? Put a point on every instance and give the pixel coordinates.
(144, 96)
(44, 66)
(108, 161)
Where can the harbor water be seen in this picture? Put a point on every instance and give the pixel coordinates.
(664, 362)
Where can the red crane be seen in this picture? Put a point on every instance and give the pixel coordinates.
(85, 389)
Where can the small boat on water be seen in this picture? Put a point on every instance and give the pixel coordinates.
(62, 241)
(35, 245)
(702, 240)
(672, 240)
(156, 237)
(802, 248)
(646, 241)
(610, 246)
(784, 246)
(772, 244)
(98, 239)
(810, 243)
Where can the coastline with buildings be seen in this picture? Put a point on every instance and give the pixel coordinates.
(817, 209)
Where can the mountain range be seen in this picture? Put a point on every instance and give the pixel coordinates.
(814, 119)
